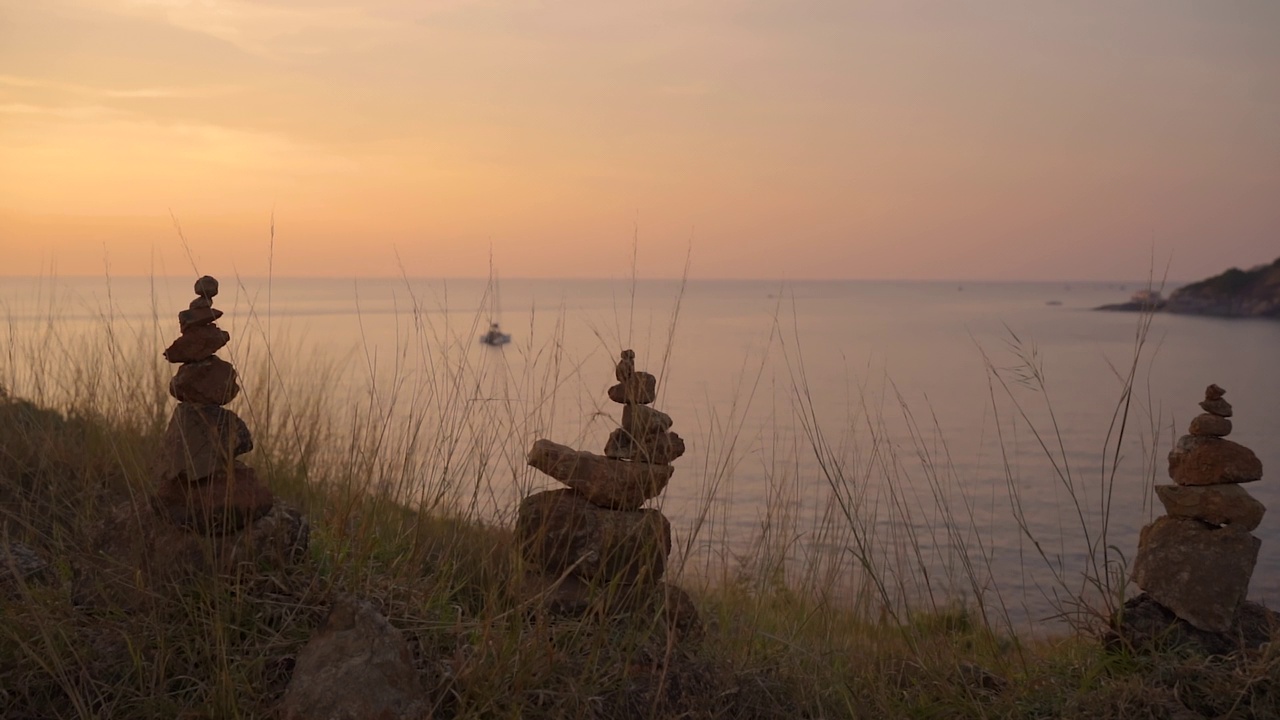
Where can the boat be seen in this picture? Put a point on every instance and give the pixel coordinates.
(495, 337)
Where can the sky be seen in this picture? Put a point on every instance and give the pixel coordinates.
(793, 139)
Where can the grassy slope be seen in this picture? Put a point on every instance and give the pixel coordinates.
(224, 646)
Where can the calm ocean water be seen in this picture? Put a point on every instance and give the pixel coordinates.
(920, 393)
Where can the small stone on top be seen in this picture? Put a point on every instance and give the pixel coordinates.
(207, 286)
(1213, 392)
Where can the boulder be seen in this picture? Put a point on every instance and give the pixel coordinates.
(356, 666)
(607, 482)
(1210, 425)
(211, 381)
(641, 420)
(560, 532)
(1212, 461)
(640, 387)
(219, 505)
(1143, 624)
(195, 317)
(658, 449)
(1199, 572)
(1216, 504)
(197, 343)
(201, 440)
(665, 606)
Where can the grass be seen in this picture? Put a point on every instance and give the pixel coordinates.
(408, 484)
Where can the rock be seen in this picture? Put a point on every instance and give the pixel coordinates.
(604, 481)
(1213, 392)
(572, 597)
(1211, 461)
(206, 286)
(641, 420)
(1218, 407)
(199, 303)
(197, 343)
(134, 550)
(356, 666)
(277, 539)
(1145, 625)
(1210, 425)
(1216, 504)
(641, 388)
(560, 532)
(659, 449)
(222, 504)
(195, 317)
(201, 440)
(20, 564)
(211, 381)
(626, 366)
(1199, 572)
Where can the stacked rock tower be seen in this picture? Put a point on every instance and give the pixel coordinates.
(1198, 559)
(203, 487)
(595, 534)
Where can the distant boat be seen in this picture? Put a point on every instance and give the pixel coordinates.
(495, 337)
(1054, 302)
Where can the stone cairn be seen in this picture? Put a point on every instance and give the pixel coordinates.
(594, 539)
(1197, 560)
(203, 487)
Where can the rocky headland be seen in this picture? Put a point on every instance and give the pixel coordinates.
(1234, 293)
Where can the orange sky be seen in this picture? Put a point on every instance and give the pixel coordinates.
(787, 139)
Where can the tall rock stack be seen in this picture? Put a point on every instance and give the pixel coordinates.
(1197, 560)
(203, 487)
(594, 538)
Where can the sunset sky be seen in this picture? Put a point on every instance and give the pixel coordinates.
(773, 139)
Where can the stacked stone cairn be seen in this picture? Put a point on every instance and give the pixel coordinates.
(203, 487)
(1197, 560)
(594, 539)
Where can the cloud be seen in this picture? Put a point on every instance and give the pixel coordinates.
(268, 29)
(14, 81)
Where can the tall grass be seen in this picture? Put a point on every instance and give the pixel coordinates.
(868, 590)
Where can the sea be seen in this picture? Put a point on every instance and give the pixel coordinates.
(887, 444)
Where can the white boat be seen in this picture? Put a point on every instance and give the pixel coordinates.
(495, 337)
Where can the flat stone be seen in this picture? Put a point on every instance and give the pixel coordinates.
(607, 482)
(1197, 460)
(626, 366)
(1218, 407)
(1216, 504)
(220, 505)
(656, 449)
(211, 381)
(197, 343)
(641, 420)
(206, 286)
(195, 317)
(356, 665)
(561, 532)
(200, 302)
(640, 388)
(1210, 425)
(201, 440)
(1199, 572)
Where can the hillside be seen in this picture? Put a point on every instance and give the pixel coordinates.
(1234, 293)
